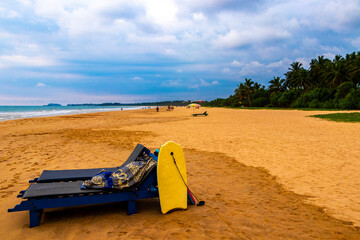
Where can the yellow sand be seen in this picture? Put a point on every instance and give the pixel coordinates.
(310, 156)
(283, 151)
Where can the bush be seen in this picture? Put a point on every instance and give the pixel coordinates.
(343, 90)
(260, 102)
(322, 94)
(308, 99)
(351, 101)
(274, 99)
(301, 102)
(235, 104)
(315, 103)
(288, 97)
(329, 104)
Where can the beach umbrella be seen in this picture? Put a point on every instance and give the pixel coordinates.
(194, 105)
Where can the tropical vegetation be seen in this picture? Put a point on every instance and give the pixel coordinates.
(333, 84)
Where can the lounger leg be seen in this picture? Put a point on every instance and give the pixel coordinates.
(131, 207)
(35, 217)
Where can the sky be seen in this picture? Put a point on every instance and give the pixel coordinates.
(90, 51)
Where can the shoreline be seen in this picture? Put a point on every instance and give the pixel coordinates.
(101, 139)
(48, 111)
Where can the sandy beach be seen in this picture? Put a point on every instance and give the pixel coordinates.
(264, 174)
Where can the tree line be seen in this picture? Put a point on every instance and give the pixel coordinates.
(326, 84)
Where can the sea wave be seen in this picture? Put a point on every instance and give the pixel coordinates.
(21, 112)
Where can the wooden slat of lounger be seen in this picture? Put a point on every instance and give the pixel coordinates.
(56, 189)
(70, 175)
(73, 188)
(82, 174)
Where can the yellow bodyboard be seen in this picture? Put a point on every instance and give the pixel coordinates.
(172, 189)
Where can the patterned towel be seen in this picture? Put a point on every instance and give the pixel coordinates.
(124, 177)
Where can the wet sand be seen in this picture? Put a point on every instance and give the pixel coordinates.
(264, 174)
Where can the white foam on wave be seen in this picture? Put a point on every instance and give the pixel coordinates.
(4, 116)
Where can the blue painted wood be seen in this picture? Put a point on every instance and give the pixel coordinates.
(34, 180)
(35, 206)
(84, 174)
(200, 114)
(131, 207)
(35, 217)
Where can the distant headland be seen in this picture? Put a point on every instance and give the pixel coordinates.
(53, 105)
(164, 103)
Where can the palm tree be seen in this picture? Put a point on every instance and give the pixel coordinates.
(276, 85)
(245, 90)
(337, 72)
(317, 73)
(353, 67)
(296, 77)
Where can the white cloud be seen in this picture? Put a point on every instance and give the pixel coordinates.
(137, 78)
(199, 17)
(78, 41)
(226, 70)
(172, 83)
(170, 52)
(279, 64)
(57, 95)
(40, 84)
(20, 60)
(192, 84)
(160, 39)
(252, 68)
(24, 2)
(239, 38)
(202, 83)
(355, 42)
(5, 13)
(304, 61)
(236, 63)
(162, 12)
(179, 70)
(329, 55)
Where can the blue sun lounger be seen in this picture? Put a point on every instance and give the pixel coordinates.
(200, 114)
(54, 194)
(83, 174)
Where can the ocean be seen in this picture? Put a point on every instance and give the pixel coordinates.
(19, 112)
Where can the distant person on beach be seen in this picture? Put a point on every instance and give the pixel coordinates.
(157, 109)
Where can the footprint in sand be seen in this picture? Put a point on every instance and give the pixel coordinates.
(16, 177)
(8, 186)
(7, 194)
(113, 234)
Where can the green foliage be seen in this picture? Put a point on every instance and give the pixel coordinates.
(288, 97)
(260, 102)
(351, 100)
(232, 101)
(274, 99)
(343, 89)
(326, 84)
(315, 103)
(331, 104)
(340, 117)
(314, 98)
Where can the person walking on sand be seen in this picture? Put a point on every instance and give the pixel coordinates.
(157, 108)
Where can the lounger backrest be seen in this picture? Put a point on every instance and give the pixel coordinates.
(139, 149)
